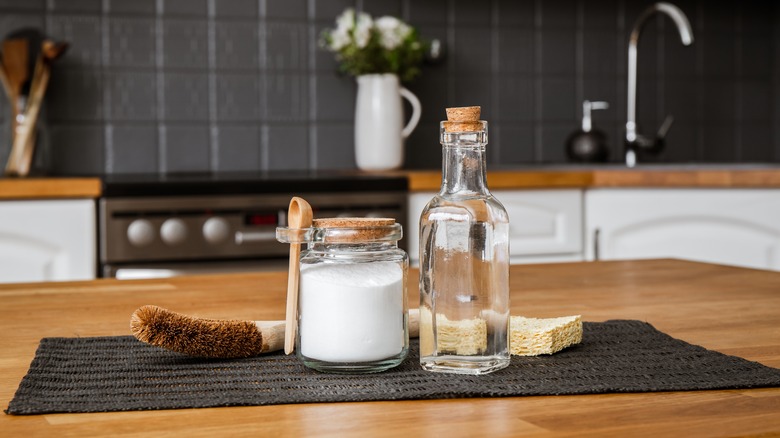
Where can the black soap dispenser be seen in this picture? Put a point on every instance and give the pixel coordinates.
(588, 145)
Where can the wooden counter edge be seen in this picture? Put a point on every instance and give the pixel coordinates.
(422, 181)
(49, 188)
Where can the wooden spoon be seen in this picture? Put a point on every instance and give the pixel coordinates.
(299, 215)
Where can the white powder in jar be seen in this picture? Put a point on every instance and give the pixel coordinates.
(351, 312)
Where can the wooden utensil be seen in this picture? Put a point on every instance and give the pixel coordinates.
(299, 215)
(16, 66)
(23, 145)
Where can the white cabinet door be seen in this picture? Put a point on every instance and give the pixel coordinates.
(544, 225)
(47, 240)
(738, 227)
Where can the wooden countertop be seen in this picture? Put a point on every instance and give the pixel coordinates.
(49, 188)
(732, 310)
(530, 177)
(582, 177)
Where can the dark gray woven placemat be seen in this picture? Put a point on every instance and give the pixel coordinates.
(121, 374)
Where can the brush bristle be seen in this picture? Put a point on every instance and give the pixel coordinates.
(196, 336)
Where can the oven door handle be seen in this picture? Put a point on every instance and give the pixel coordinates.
(242, 237)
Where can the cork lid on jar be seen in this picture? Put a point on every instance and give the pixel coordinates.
(358, 229)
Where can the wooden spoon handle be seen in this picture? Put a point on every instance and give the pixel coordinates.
(292, 299)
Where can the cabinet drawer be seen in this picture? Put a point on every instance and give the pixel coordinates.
(544, 225)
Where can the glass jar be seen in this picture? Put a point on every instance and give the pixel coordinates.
(464, 263)
(352, 306)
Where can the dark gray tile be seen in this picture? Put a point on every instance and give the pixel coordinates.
(423, 150)
(378, 8)
(515, 98)
(720, 15)
(599, 53)
(335, 146)
(719, 101)
(756, 142)
(84, 35)
(80, 149)
(75, 95)
(133, 149)
(558, 101)
(286, 47)
(473, 91)
(286, 97)
(681, 101)
(554, 143)
(186, 96)
(471, 13)
(515, 50)
(431, 89)
(238, 97)
(290, 9)
(756, 57)
(132, 42)
(471, 50)
(288, 147)
(758, 18)
(236, 45)
(324, 60)
(327, 10)
(513, 13)
(133, 95)
(193, 8)
(335, 98)
(10, 22)
(719, 143)
(239, 148)
(134, 7)
(84, 6)
(559, 14)
(185, 43)
(647, 110)
(601, 16)
(236, 8)
(681, 143)
(558, 52)
(756, 100)
(27, 6)
(515, 143)
(720, 55)
(428, 12)
(186, 148)
(679, 60)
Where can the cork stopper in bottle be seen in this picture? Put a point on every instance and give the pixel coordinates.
(463, 119)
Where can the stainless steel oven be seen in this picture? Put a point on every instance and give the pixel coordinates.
(159, 227)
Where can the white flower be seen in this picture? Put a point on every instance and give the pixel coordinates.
(363, 26)
(345, 21)
(392, 31)
(339, 39)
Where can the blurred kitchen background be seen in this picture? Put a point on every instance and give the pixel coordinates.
(241, 85)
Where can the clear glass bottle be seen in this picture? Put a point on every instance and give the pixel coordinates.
(464, 264)
(352, 305)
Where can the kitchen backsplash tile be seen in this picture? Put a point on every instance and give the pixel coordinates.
(187, 148)
(240, 148)
(205, 85)
(131, 148)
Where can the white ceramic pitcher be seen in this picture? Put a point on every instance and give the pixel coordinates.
(379, 129)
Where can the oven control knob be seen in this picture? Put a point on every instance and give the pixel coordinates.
(216, 230)
(173, 231)
(140, 232)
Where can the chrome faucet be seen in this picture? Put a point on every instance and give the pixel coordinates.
(634, 140)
